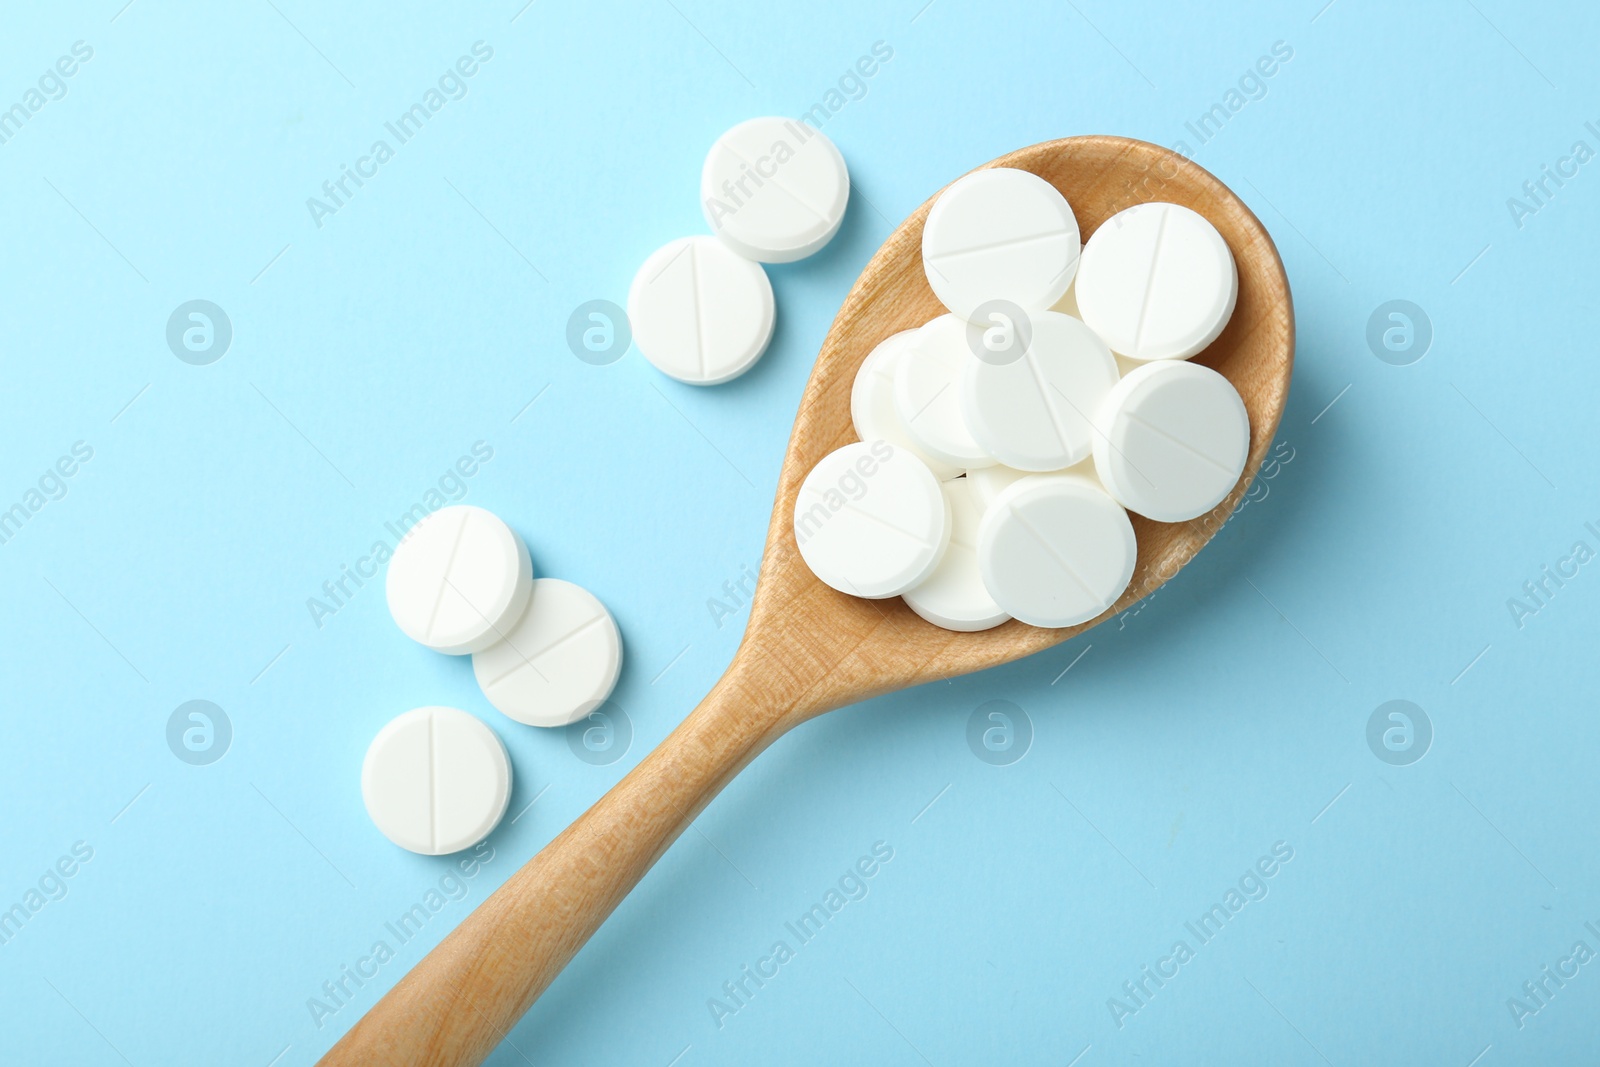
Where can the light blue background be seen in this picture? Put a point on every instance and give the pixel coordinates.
(1185, 741)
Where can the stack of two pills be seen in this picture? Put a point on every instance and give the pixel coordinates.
(1004, 443)
(546, 653)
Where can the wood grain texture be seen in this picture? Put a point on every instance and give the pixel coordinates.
(808, 649)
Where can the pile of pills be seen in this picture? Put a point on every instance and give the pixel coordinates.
(1004, 443)
(546, 653)
(774, 190)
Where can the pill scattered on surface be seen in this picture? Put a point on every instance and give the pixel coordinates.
(700, 312)
(1055, 550)
(1000, 234)
(436, 780)
(954, 596)
(1157, 281)
(774, 190)
(927, 393)
(560, 661)
(1035, 411)
(1173, 439)
(458, 579)
(872, 408)
(870, 520)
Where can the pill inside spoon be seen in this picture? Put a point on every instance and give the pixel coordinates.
(1042, 443)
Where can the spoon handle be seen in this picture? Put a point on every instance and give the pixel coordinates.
(464, 997)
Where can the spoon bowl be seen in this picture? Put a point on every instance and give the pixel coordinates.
(807, 648)
(876, 646)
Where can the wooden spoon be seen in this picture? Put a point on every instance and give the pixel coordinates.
(809, 649)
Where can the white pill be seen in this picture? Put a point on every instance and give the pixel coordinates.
(1000, 234)
(1055, 550)
(954, 595)
(1173, 440)
(1157, 281)
(436, 780)
(558, 663)
(458, 580)
(1034, 411)
(870, 520)
(872, 409)
(927, 393)
(700, 312)
(774, 189)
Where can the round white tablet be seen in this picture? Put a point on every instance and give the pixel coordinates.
(1000, 234)
(870, 520)
(458, 579)
(774, 189)
(558, 663)
(1173, 440)
(1157, 281)
(927, 393)
(700, 312)
(1055, 550)
(436, 780)
(954, 596)
(872, 409)
(1034, 411)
